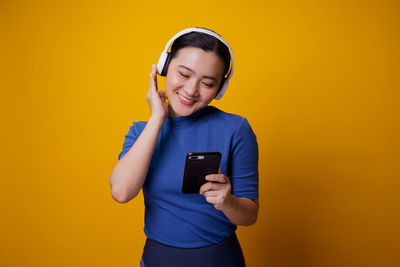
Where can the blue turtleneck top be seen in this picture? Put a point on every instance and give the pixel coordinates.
(188, 220)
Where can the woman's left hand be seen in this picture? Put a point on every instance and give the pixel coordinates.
(218, 191)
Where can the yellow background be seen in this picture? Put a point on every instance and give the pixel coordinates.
(317, 80)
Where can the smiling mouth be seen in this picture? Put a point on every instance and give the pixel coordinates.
(186, 101)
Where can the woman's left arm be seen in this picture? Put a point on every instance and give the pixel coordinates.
(240, 211)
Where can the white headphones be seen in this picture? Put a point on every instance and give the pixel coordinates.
(165, 58)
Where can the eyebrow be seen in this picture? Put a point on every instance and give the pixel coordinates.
(189, 69)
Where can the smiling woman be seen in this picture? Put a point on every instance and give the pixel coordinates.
(193, 79)
(190, 229)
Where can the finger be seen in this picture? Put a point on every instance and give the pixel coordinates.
(155, 70)
(211, 186)
(206, 187)
(211, 193)
(213, 200)
(163, 97)
(152, 87)
(153, 78)
(152, 71)
(161, 94)
(219, 178)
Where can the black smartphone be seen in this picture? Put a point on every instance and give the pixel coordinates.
(198, 165)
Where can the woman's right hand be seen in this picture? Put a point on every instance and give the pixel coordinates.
(156, 99)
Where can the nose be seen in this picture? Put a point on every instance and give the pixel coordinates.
(191, 87)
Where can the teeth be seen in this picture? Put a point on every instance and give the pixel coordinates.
(184, 98)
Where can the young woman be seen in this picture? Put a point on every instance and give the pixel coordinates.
(190, 229)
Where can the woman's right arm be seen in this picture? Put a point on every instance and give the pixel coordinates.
(130, 172)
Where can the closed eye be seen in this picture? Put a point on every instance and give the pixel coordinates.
(183, 75)
(209, 85)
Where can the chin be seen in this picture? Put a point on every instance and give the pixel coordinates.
(182, 111)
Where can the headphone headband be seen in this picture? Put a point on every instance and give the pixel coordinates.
(164, 59)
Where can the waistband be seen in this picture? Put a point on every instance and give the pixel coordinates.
(226, 253)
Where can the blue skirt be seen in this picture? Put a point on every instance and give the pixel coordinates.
(226, 253)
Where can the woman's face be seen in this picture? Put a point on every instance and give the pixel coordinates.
(192, 80)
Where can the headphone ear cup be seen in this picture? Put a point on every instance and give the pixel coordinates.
(166, 64)
(222, 89)
(221, 84)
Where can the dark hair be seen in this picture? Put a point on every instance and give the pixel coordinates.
(207, 43)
